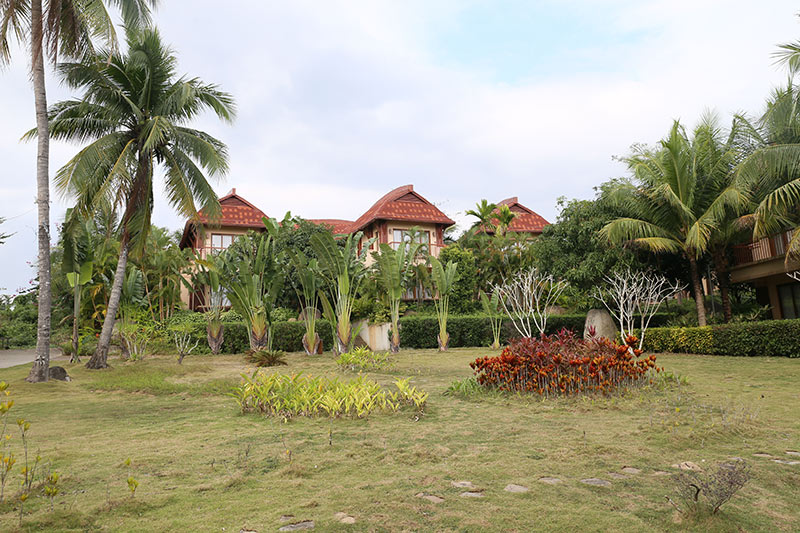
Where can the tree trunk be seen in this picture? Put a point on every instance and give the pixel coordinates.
(721, 268)
(215, 341)
(100, 357)
(394, 342)
(443, 346)
(76, 307)
(40, 371)
(698, 292)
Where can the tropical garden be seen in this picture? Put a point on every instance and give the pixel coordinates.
(496, 405)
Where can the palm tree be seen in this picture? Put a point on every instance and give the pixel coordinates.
(484, 212)
(444, 279)
(59, 29)
(135, 111)
(504, 217)
(394, 269)
(684, 194)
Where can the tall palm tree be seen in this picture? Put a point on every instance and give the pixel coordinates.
(55, 29)
(135, 111)
(682, 193)
(484, 212)
(504, 217)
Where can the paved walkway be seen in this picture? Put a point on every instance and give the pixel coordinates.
(9, 358)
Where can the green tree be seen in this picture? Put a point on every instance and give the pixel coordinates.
(395, 274)
(682, 192)
(77, 265)
(444, 279)
(52, 30)
(484, 212)
(136, 111)
(504, 217)
(464, 297)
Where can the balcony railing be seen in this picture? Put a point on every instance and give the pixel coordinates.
(763, 249)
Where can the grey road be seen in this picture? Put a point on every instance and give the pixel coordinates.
(9, 358)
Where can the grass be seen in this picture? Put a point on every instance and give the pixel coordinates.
(203, 466)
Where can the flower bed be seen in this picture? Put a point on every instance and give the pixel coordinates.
(563, 364)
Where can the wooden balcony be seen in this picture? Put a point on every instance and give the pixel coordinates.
(763, 249)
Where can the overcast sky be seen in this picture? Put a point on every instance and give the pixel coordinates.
(341, 101)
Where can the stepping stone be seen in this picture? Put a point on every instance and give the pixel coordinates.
(688, 465)
(615, 475)
(286, 517)
(462, 484)
(597, 482)
(472, 494)
(344, 518)
(631, 470)
(764, 455)
(245, 530)
(792, 452)
(786, 462)
(516, 488)
(660, 473)
(430, 497)
(297, 526)
(550, 480)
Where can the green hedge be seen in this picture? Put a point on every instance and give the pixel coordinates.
(287, 336)
(770, 337)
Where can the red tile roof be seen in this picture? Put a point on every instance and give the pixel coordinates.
(526, 220)
(338, 226)
(405, 205)
(235, 211)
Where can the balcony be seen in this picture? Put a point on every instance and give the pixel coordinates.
(763, 249)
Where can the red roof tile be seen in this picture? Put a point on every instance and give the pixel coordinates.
(526, 220)
(405, 205)
(235, 211)
(338, 226)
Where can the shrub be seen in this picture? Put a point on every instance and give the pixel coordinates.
(363, 359)
(709, 491)
(265, 357)
(564, 364)
(298, 395)
(770, 338)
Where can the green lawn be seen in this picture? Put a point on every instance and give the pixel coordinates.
(202, 466)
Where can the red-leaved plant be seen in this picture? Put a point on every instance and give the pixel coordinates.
(563, 364)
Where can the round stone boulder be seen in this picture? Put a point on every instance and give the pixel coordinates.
(599, 322)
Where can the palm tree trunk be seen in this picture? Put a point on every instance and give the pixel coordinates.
(698, 292)
(40, 371)
(100, 357)
(76, 309)
(721, 268)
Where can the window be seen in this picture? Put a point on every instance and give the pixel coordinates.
(403, 235)
(789, 296)
(220, 241)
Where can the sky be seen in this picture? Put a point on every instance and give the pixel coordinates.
(342, 101)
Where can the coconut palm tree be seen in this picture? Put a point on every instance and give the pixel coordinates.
(683, 192)
(52, 30)
(135, 111)
(484, 212)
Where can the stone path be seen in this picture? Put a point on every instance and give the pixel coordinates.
(517, 489)
(597, 482)
(344, 518)
(298, 526)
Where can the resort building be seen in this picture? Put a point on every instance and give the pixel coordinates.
(525, 220)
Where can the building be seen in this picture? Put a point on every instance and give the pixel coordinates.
(525, 220)
(389, 221)
(763, 263)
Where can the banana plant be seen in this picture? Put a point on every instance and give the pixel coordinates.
(491, 306)
(342, 270)
(208, 275)
(444, 279)
(394, 268)
(253, 282)
(77, 265)
(308, 289)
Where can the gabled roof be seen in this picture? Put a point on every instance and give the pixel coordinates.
(402, 204)
(526, 220)
(234, 211)
(337, 225)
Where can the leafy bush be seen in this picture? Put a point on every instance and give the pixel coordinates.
(298, 395)
(265, 357)
(363, 359)
(564, 364)
(464, 387)
(770, 338)
(287, 336)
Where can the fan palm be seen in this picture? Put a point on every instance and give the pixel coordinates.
(444, 279)
(55, 29)
(135, 110)
(684, 193)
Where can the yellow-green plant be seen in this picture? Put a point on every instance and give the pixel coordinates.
(362, 358)
(51, 488)
(308, 292)
(7, 459)
(491, 306)
(394, 275)
(444, 278)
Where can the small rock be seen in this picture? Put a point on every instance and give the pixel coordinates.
(472, 494)
(764, 455)
(430, 497)
(786, 462)
(597, 482)
(660, 473)
(511, 487)
(59, 373)
(550, 480)
(245, 530)
(616, 475)
(344, 518)
(631, 470)
(792, 452)
(462, 484)
(297, 526)
(688, 465)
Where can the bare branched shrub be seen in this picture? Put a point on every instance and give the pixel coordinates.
(700, 491)
(631, 295)
(183, 343)
(528, 297)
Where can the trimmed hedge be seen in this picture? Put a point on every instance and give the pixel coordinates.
(287, 336)
(476, 331)
(780, 338)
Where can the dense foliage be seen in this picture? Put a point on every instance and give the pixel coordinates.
(779, 338)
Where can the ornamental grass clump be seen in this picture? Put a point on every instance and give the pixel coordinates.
(363, 359)
(563, 364)
(287, 396)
